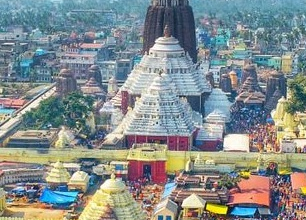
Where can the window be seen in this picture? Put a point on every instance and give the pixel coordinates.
(168, 217)
(160, 217)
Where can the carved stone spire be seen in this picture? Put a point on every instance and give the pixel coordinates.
(178, 15)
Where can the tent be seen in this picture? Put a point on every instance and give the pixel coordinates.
(58, 198)
(169, 187)
(217, 209)
(264, 211)
(243, 211)
(19, 191)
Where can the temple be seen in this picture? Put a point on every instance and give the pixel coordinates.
(65, 83)
(178, 15)
(160, 116)
(218, 100)
(58, 175)
(165, 56)
(112, 197)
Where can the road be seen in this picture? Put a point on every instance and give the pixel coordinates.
(15, 120)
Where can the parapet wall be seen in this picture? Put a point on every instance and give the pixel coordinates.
(176, 160)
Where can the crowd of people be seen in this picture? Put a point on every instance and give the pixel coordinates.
(287, 204)
(244, 119)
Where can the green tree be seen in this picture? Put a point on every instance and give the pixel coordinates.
(71, 111)
(49, 112)
(297, 101)
(77, 108)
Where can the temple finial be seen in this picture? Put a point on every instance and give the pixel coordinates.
(167, 31)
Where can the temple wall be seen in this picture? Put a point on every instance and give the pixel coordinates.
(176, 159)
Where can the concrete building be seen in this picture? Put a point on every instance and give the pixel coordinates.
(32, 139)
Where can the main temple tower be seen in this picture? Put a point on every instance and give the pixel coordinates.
(178, 15)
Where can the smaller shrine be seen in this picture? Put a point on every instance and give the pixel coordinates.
(58, 175)
(218, 100)
(95, 72)
(64, 138)
(112, 197)
(148, 160)
(65, 82)
(193, 206)
(79, 181)
(92, 88)
(112, 88)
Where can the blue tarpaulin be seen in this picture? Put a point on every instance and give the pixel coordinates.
(58, 198)
(243, 211)
(169, 187)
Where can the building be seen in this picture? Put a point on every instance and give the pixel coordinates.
(160, 116)
(108, 70)
(147, 160)
(65, 82)
(218, 100)
(253, 193)
(92, 88)
(2, 201)
(58, 175)
(287, 61)
(166, 56)
(113, 195)
(165, 210)
(32, 139)
(178, 15)
(193, 206)
(79, 181)
(78, 63)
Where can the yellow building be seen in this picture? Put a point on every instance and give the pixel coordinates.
(2, 201)
(113, 194)
(287, 63)
(58, 175)
(79, 181)
(193, 207)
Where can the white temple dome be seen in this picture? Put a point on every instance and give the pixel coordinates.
(160, 111)
(113, 185)
(168, 56)
(218, 100)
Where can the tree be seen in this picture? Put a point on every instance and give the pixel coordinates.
(297, 101)
(71, 111)
(77, 108)
(49, 112)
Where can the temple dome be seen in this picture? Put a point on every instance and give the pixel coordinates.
(112, 185)
(166, 44)
(65, 73)
(112, 195)
(218, 100)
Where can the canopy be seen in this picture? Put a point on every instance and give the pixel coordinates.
(59, 198)
(243, 211)
(284, 171)
(245, 174)
(264, 211)
(169, 187)
(217, 209)
(303, 190)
